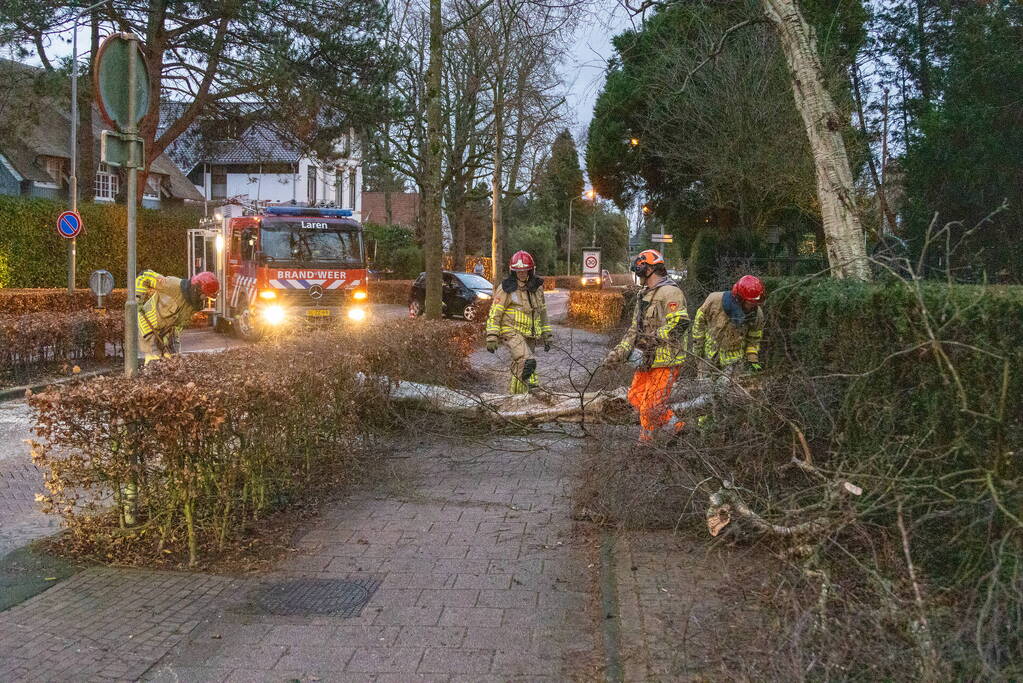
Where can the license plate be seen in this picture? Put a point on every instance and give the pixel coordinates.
(318, 313)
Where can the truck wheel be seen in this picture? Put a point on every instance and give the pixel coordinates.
(246, 327)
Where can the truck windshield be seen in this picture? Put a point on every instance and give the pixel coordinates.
(298, 243)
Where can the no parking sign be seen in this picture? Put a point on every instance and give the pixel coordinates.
(69, 224)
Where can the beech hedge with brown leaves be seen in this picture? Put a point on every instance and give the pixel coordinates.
(36, 338)
(186, 457)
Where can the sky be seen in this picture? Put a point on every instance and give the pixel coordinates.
(584, 69)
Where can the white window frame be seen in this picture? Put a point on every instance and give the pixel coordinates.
(107, 184)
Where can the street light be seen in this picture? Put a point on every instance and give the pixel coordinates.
(72, 181)
(634, 142)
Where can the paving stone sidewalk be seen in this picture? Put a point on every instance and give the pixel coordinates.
(481, 579)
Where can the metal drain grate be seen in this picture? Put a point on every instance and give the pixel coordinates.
(328, 597)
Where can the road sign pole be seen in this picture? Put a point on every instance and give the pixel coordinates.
(72, 184)
(131, 328)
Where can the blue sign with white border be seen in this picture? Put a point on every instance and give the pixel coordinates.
(69, 224)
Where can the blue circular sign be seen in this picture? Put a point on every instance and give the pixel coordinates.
(69, 224)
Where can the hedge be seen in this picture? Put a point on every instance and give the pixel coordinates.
(601, 309)
(21, 301)
(191, 454)
(32, 255)
(35, 338)
(389, 291)
(913, 390)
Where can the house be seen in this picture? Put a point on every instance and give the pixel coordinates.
(232, 156)
(404, 208)
(35, 154)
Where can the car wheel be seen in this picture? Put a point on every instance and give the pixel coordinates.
(471, 312)
(415, 308)
(245, 325)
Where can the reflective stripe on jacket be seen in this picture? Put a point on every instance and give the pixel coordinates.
(659, 326)
(722, 340)
(521, 312)
(167, 309)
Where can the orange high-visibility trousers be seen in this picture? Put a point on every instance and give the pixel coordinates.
(649, 395)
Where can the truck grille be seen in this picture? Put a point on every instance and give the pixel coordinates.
(301, 297)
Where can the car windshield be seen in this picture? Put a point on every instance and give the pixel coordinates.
(474, 281)
(296, 242)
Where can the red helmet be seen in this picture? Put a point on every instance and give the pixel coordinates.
(206, 282)
(749, 288)
(521, 260)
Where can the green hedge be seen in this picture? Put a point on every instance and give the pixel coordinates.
(949, 413)
(33, 255)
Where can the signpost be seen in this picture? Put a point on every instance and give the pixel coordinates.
(591, 263)
(665, 238)
(101, 282)
(69, 225)
(122, 93)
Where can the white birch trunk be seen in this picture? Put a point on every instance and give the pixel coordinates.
(843, 232)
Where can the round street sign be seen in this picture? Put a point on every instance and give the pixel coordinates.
(69, 224)
(110, 80)
(591, 261)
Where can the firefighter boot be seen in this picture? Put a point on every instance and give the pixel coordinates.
(529, 373)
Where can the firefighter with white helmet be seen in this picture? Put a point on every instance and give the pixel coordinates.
(518, 317)
(166, 306)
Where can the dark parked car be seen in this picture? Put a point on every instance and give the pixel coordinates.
(462, 295)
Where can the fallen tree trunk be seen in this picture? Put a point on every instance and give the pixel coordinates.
(532, 408)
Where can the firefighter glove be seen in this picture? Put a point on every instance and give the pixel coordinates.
(492, 345)
(756, 366)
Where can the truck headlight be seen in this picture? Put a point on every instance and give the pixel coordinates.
(357, 314)
(268, 294)
(273, 315)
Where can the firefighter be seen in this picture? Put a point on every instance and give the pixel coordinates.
(166, 306)
(518, 317)
(657, 333)
(729, 327)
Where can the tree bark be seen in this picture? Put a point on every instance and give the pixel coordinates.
(824, 123)
(87, 161)
(432, 233)
(497, 219)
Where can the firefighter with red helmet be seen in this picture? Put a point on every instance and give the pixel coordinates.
(729, 327)
(518, 318)
(657, 333)
(166, 306)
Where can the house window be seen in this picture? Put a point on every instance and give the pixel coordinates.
(152, 190)
(218, 185)
(107, 183)
(351, 189)
(311, 185)
(56, 167)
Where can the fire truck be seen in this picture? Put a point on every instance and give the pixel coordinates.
(282, 266)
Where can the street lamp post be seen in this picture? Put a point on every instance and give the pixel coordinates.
(592, 196)
(72, 181)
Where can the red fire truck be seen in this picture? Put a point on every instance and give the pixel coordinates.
(284, 266)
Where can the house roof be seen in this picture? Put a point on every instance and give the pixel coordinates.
(48, 135)
(259, 143)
